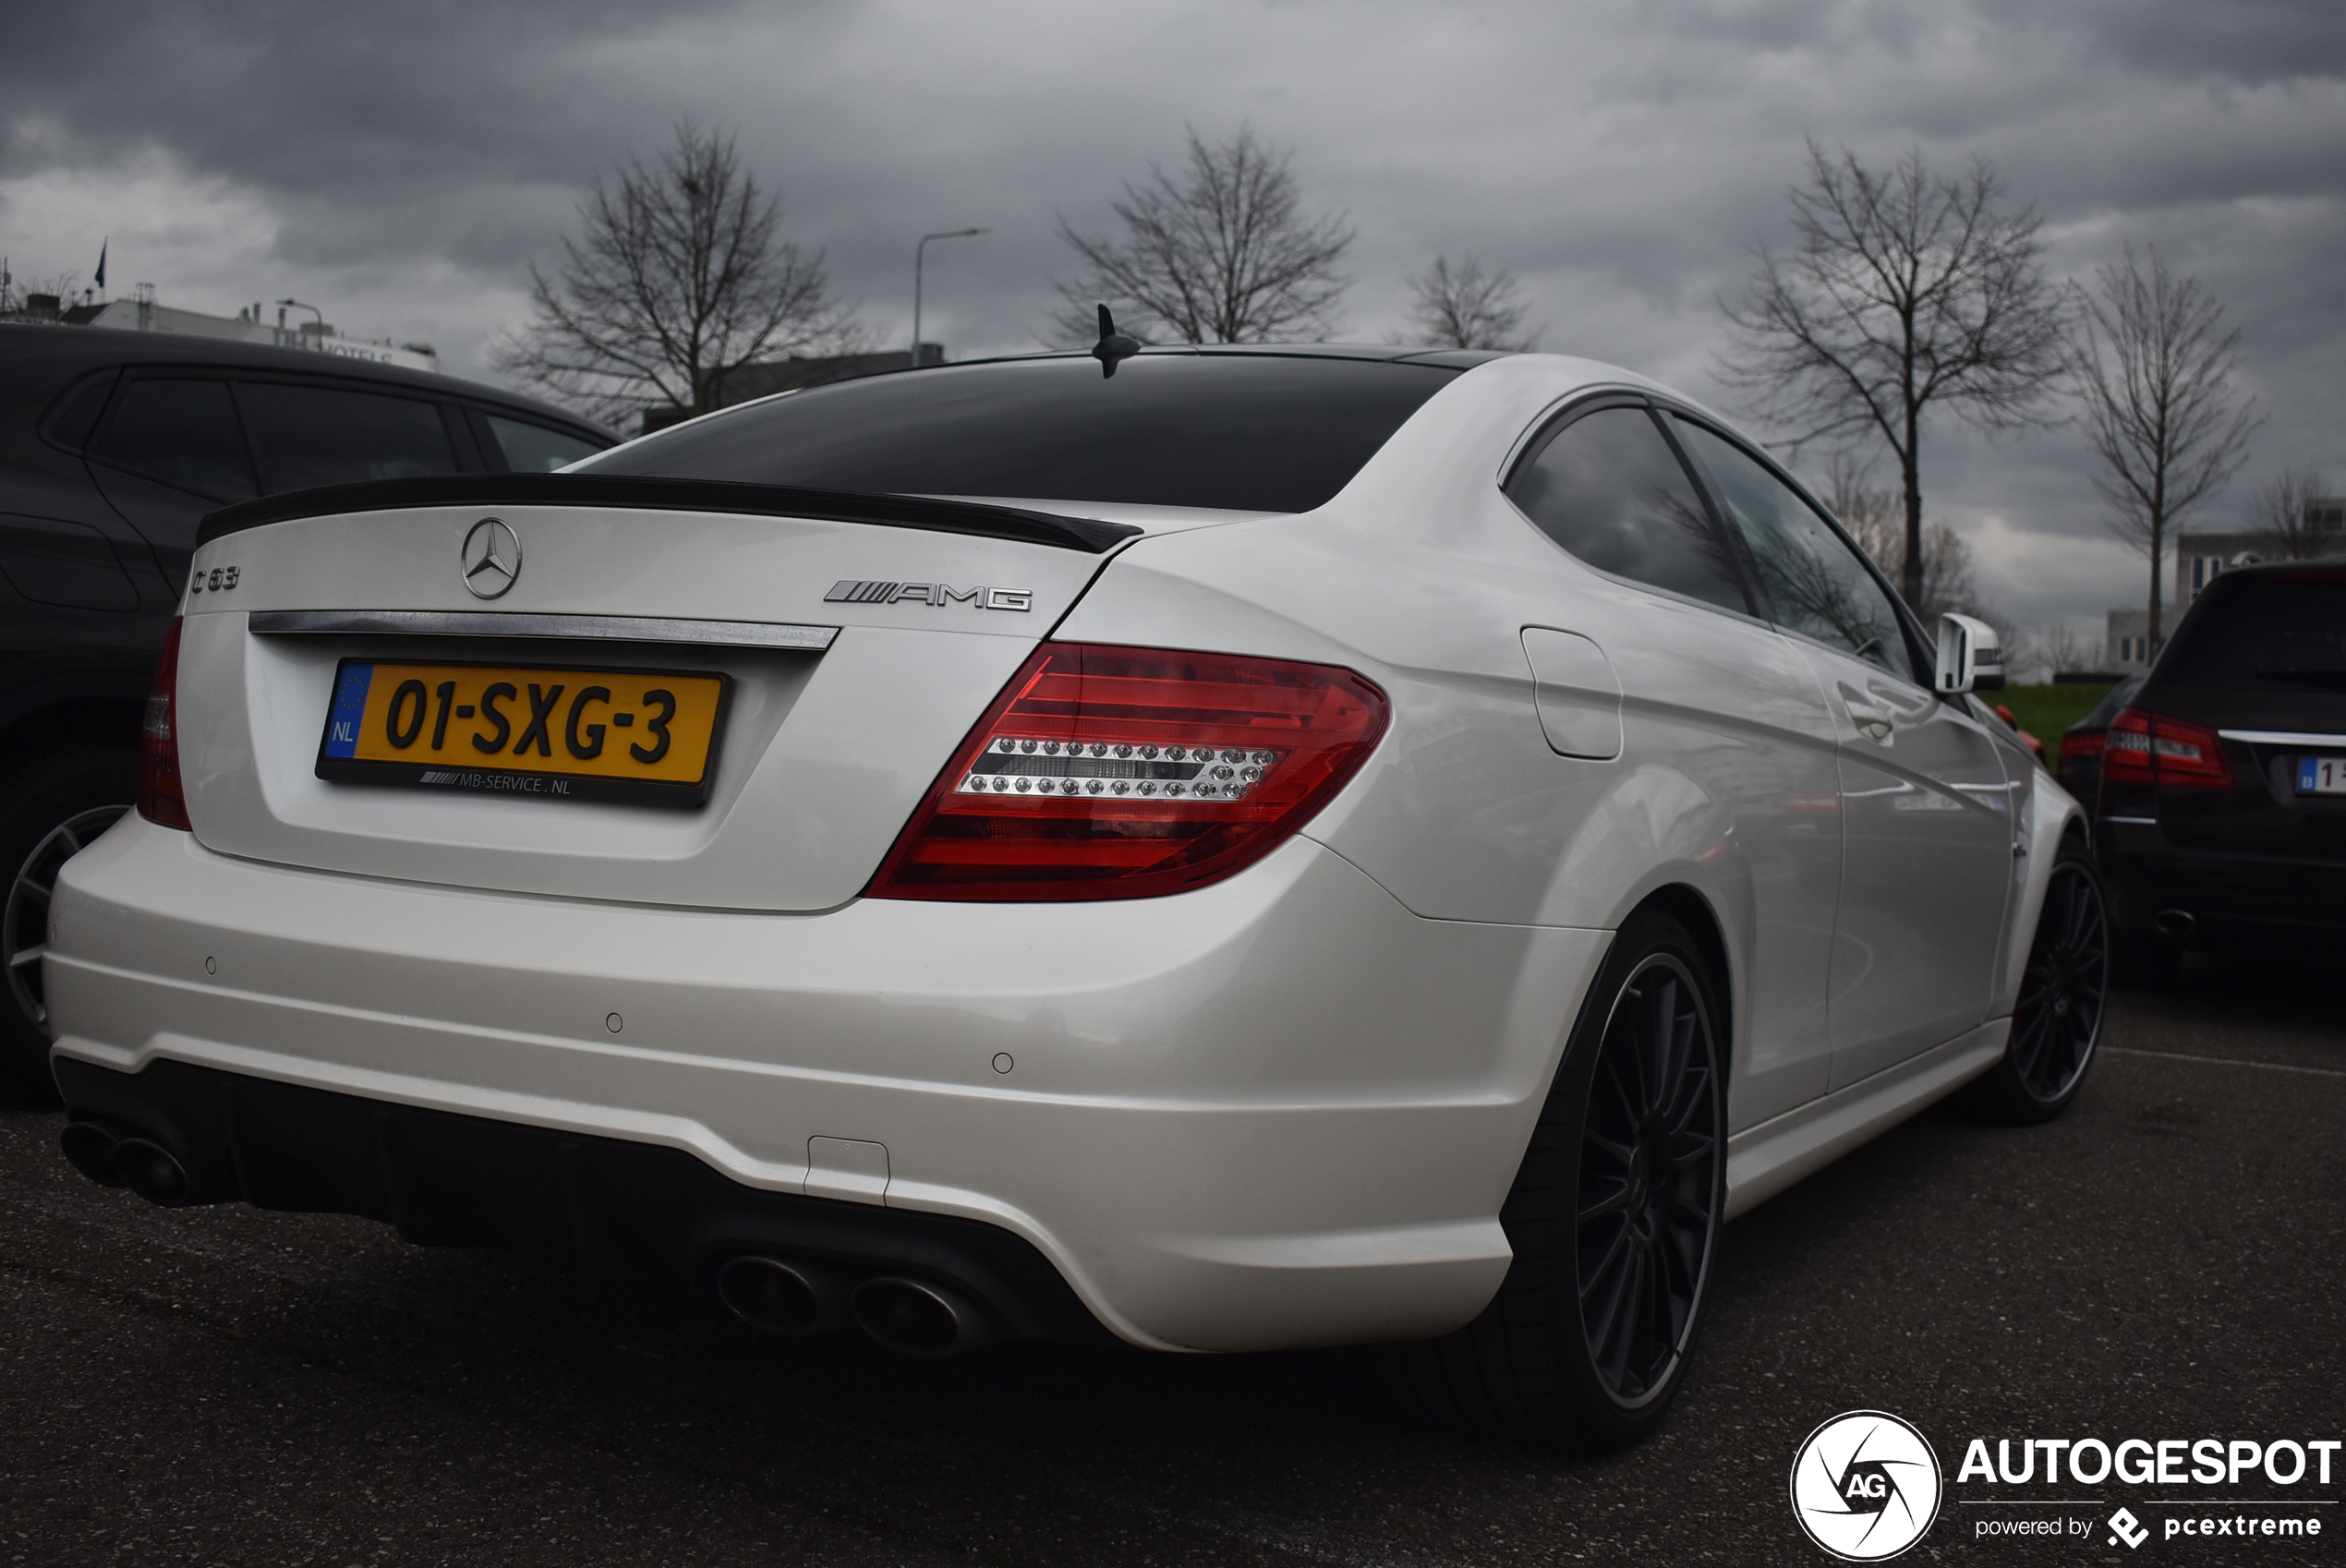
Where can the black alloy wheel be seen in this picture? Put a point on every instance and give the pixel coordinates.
(1649, 1154)
(2064, 991)
(1614, 1218)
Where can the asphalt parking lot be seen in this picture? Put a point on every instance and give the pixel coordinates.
(225, 1386)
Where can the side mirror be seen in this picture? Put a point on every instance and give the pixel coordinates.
(1971, 656)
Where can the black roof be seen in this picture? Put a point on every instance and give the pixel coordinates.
(1411, 353)
(36, 361)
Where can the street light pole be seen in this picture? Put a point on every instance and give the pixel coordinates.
(949, 234)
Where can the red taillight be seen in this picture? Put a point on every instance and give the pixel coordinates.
(2082, 746)
(1125, 773)
(2150, 748)
(161, 800)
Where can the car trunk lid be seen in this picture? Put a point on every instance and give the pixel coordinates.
(853, 656)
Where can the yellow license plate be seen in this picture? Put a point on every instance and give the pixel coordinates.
(649, 736)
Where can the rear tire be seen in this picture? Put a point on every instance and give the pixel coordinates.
(52, 804)
(2064, 998)
(1613, 1218)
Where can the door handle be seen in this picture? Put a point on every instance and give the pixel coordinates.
(1873, 724)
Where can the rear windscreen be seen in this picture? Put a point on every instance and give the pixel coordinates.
(2108, 708)
(2279, 632)
(1247, 432)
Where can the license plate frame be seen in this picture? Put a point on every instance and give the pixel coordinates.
(2321, 774)
(555, 776)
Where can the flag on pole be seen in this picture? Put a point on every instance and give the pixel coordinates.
(102, 260)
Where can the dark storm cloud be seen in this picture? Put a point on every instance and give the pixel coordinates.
(305, 96)
(2248, 42)
(377, 124)
(404, 162)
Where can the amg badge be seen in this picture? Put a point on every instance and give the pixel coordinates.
(852, 591)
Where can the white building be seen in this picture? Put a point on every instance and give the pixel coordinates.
(2203, 555)
(141, 314)
(2127, 645)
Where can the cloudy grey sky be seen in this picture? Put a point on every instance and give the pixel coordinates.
(400, 163)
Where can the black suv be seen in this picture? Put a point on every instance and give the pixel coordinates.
(113, 446)
(2223, 778)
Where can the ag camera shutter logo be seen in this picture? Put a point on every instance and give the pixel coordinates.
(1866, 1485)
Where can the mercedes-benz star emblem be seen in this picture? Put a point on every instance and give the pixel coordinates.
(491, 558)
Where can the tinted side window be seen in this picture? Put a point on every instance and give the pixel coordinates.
(1815, 582)
(184, 433)
(534, 448)
(1608, 489)
(309, 436)
(74, 416)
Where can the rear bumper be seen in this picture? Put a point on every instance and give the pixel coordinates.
(618, 1210)
(1279, 1111)
(2233, 900)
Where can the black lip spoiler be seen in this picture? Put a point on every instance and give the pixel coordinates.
(652, 493)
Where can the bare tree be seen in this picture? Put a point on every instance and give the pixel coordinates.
(1869, 512)
(1907, 289)
(679, 279)
(14, 289)
(1220, 253)
(2284, 509)
(2061, 647)
(2023, 654)
(1871, 516)
(2154, 368)
(1464, 307)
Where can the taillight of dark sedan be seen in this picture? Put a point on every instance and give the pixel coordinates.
(2079, 764)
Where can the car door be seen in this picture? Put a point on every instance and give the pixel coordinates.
(1926, 825)
(170, 448)
(173, 447)
(1713, 712)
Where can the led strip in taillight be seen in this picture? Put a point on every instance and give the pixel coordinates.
(1032, 765)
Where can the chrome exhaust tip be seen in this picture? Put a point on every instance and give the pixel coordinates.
(915, 1317)
(2174, 922)
(778, 1297)
(152, 1172)
(90, 1148)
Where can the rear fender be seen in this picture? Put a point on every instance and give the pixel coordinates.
(2048, 813)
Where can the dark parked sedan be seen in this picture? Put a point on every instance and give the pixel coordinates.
(2222, 818)
(113, 446)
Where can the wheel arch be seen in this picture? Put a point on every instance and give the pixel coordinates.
(2052, 822)
(110, 719)
(81, 695)
(1686, 904)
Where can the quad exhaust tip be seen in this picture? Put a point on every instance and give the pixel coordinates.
(89, 1148)
(787, 1296)
(141, 1163)
(778, 1297)
(917, 1317)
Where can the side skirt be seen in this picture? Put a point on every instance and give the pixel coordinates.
(1764, 1160)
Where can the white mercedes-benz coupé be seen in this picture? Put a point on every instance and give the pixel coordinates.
(1214, 848)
